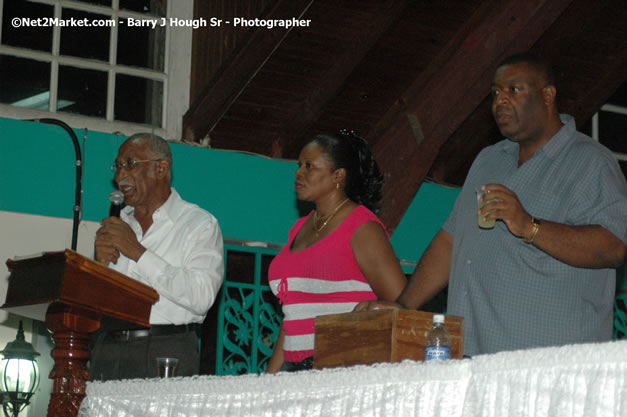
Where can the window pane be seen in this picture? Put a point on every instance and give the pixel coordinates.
(138, 100)
(620, 96)
(97, 2)
(25, 82)
(38, 38)
(141, 46)
(612, 128)
(85, 42)
(82, 91)
(152, 7)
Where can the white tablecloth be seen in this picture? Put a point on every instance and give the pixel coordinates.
(570, 381)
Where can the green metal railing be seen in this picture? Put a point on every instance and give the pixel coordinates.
(620, 315)
(249, 319)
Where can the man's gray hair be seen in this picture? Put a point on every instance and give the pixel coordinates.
(157, 145)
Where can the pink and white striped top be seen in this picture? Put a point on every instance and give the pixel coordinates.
(321, 279)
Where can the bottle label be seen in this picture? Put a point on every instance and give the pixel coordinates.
(437, 352)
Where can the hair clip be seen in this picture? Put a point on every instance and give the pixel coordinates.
(352, 134)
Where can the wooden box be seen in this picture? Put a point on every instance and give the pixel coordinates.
(367, 337)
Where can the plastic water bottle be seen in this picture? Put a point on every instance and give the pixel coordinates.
(438, 344)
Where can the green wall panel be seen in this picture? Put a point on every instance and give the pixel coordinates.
(36, 164)
(422, 220)
(252, 196)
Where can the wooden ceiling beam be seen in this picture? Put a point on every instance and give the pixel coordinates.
(581, 88)
(597, 95)
(586, 81)
(303, 116)
(455, 88)
(235, 75)
(451, 166)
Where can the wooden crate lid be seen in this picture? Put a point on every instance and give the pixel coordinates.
(388, 335)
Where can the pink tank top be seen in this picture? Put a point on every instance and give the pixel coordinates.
(321, 279)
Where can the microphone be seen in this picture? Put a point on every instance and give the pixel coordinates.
(117, 198)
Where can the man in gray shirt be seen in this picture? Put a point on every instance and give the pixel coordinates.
(544, 275)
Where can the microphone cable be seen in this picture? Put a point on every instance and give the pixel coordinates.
(79, 175)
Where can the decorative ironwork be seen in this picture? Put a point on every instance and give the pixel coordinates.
(620, 315)
(248, 321)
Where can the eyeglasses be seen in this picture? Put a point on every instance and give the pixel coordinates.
(130, 164)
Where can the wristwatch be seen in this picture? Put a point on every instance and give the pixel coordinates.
(535, 224)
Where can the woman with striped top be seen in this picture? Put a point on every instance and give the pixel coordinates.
(337, 255)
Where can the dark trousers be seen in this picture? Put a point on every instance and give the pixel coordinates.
(304, 365)
(123, 355)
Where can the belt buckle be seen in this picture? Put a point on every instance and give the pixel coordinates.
(126, 335)
(122, 335)
(136, 334)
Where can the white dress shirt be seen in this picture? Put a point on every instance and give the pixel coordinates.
(183, 260)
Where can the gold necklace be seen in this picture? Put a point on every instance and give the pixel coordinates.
(328, 217)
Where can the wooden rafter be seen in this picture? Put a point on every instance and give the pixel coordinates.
(303, 116)
(582, 89)
(444, 100)
(602, 62)
(233, 77)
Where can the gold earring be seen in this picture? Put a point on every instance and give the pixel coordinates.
(337, 185)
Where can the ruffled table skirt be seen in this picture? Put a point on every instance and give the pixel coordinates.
(570, 381)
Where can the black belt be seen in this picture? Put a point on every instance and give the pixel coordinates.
(154, 330)
(304, 365)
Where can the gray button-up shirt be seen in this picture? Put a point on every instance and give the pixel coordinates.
(513, 295)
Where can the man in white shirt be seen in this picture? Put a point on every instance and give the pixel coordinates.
(167, 243)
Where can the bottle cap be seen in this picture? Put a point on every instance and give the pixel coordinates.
(438, 318)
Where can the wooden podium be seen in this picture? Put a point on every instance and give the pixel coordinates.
(72, 294)
(366, 337)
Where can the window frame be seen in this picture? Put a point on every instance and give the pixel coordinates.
(610, 108)
(175, 75)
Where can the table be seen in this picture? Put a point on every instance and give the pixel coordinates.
(569, 381)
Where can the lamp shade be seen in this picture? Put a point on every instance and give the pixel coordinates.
(19, 374)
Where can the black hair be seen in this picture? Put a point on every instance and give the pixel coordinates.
(364, 182)
(540, 65)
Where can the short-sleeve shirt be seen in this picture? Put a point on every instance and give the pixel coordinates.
(512, 295)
